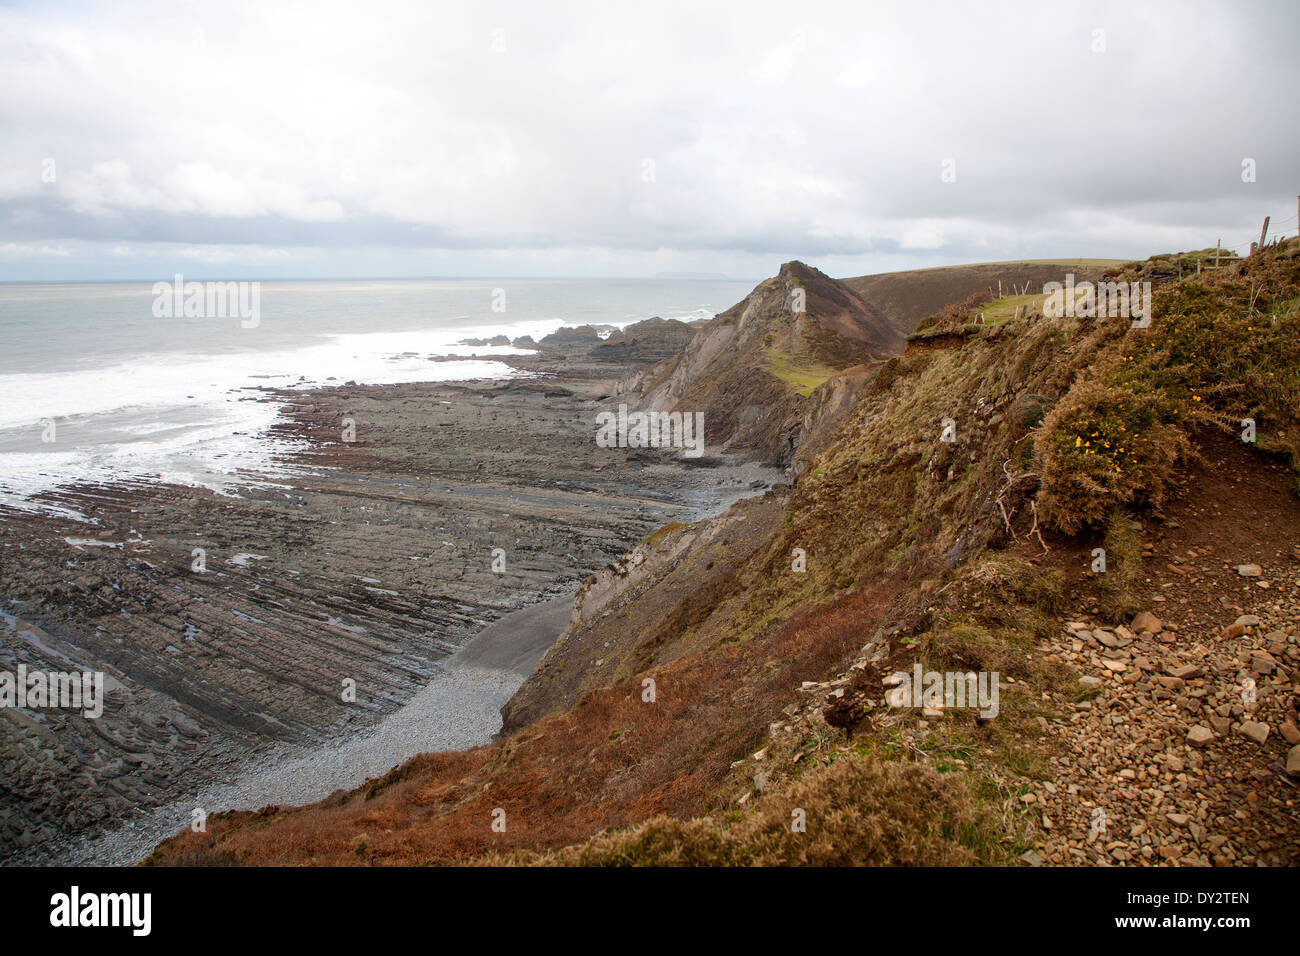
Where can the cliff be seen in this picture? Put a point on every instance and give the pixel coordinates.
(752, 368)
(727, 674)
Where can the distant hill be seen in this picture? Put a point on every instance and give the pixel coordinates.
(907, 297)
(786, 368)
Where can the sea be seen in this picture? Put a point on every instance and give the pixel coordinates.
(101, 382)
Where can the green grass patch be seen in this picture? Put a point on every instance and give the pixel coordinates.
(803, 375)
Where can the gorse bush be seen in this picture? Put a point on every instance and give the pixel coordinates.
(1222, 349)
(1102, 446)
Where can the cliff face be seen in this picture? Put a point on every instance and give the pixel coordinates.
(773, 374)
(631, 613)
(752, 368)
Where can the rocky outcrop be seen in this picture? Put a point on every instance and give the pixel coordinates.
(752, 368)
(653, 340)
(826, 406)
(569, 337)
(361, 569)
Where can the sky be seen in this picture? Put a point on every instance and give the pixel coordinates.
(331, 139)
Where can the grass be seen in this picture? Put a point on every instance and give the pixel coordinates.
(802, 375)
(1171, 262)
(1000, 310)
(1119, 585)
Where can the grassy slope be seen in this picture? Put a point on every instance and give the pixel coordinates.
(803, 374)
(907, 297)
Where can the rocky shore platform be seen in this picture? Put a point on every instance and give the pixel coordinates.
(253, 642)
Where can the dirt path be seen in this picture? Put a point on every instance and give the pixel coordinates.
(1179, 757)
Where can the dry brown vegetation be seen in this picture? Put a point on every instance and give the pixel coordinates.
(868, 812)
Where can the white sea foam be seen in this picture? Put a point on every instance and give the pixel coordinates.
(198, 420)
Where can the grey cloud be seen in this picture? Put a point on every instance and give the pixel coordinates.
(816, 131)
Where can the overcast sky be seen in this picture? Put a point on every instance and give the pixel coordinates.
(627, 139)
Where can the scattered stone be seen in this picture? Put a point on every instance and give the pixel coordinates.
(1249, 570)
(1254, 730)
(1146, 623)
(1199, 736)
(1262, 662)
